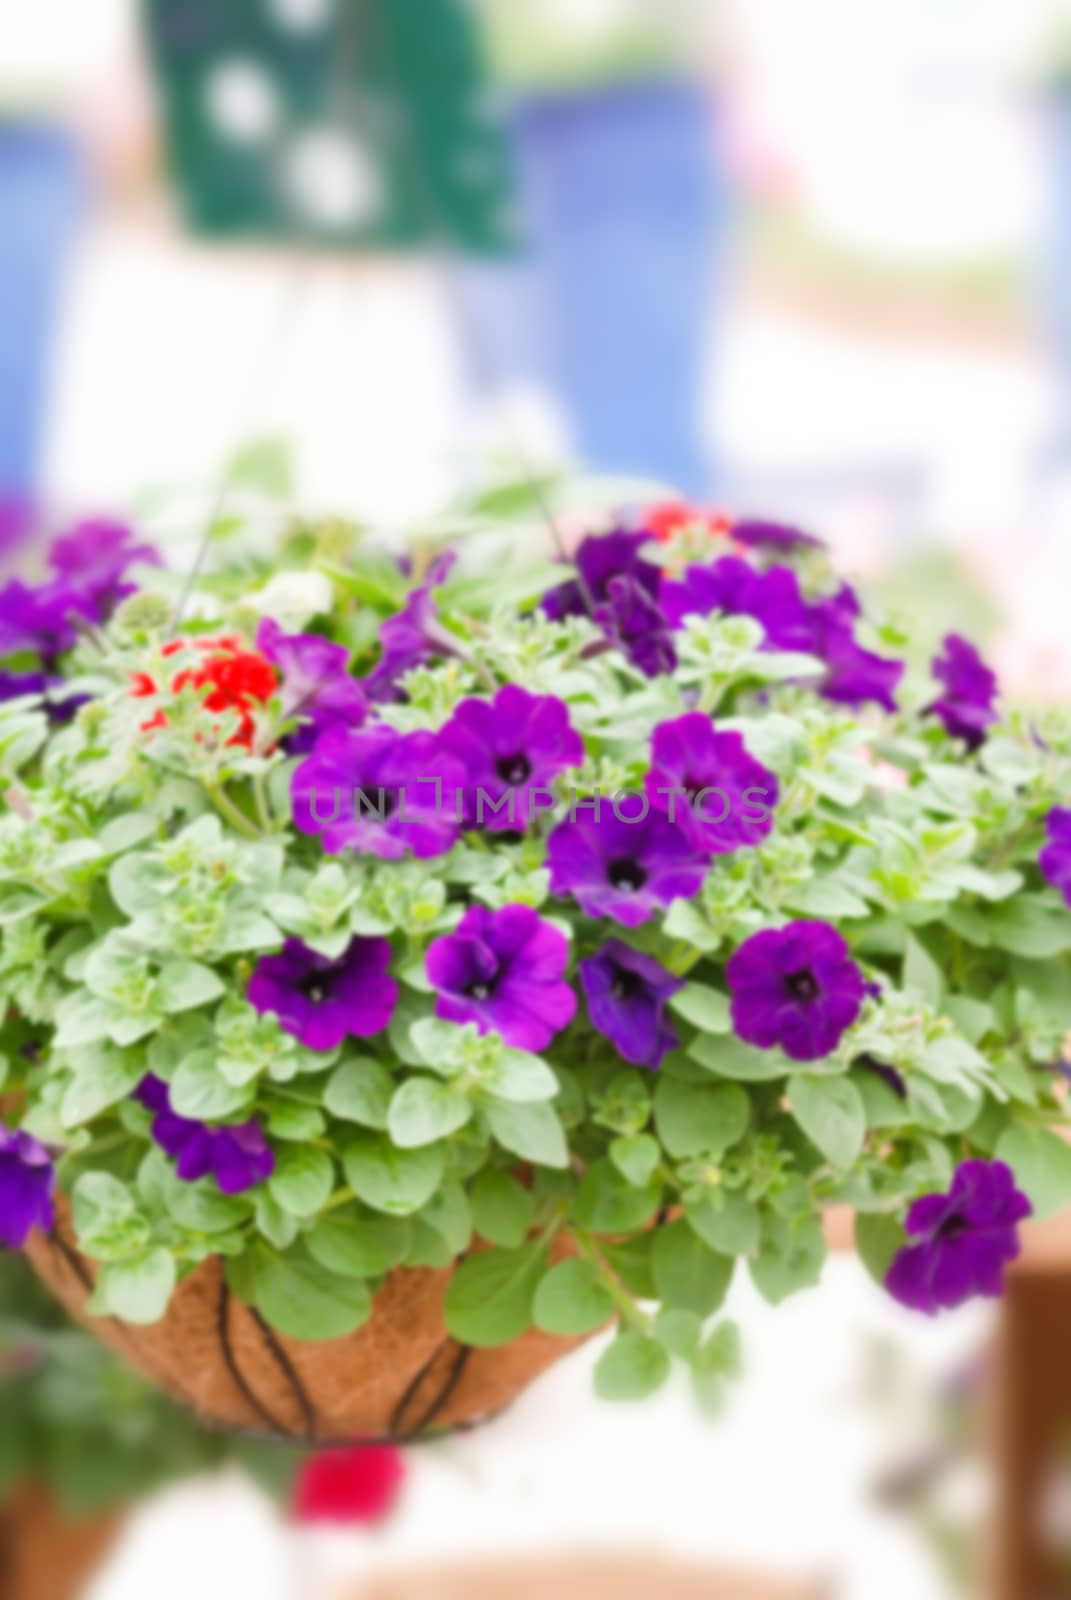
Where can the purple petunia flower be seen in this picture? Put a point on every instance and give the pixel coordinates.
(600, 560)
(1055, 858)
(43, 620)
(380, 792)
(412, 637)
(504, 971)
(27, 1184)
(511, 748)
(626, 993)
(317, 685)
(854, 675)
(710, 785)
(94, 559)
(734, 586)
(968, 705)
(322, 1000)
(623, 869)
(237, 1156)
(758, 534)
(962, 1240)
(633, 623)
(795, 987)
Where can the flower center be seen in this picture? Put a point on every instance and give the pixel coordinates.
(626, 874)
(314, 988)
(514, 769)
(952, 1227)
(625, 984)
(802, 985)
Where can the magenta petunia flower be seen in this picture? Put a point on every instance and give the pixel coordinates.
(622, 869)
(710, 785)
(795, 987)
(968, 705)
(961, 1241)
(504, 970)
(323, 1000)
(317, 685)
(626, 993)
(380, 792)
(237, 1156)
(511, 747)
(27, 1185)
(412, 637)
(1055, 858)
(758, 534)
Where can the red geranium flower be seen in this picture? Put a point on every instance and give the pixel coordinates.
(672, 515)
(357, 1485)
(239, 680)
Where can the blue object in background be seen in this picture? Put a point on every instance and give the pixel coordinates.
(626, 212)
(40, 203)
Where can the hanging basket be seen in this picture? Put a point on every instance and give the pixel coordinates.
(400, 1376)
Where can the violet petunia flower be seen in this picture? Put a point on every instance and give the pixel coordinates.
(238, 1156)
(317, 685)
(795, 987)
(632, 621)
(623, 869)
(412, 637)
(601, 559)
(511, 747)
(961, 1241)
(505, 971)
(968, 705)
(94, 559)
(1055, 858)
(710, 785)
(380, 792)
(323, 1000)
(626, 993)
(733, 586)
(758, 534)
(854, 675)
(43, 620)
(27, 1186)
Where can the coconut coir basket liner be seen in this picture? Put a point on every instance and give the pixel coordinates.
(399, 1376)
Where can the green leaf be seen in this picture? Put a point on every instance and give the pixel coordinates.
(360, 1091)
(1035, 928)
(727, 1221)
(303, 1180)
(295, 1123)
(489, 1300)
(137, 1290)
(607, 1203)
(825, 897)
(922, 973)
(302, 1299)
(532, 1132)
(632, 1368)
(791, 1257)
(694, 1119)
(1041, 1161)
(359, 1244)
(679, 1332)
(689, 1276)
(183, 985)
(520, 1077)
(199, 1090)
(830, 1112)
(394, 1181)
(502, 1209)
(571, 1299)
(107, 1219)
(102, 1076)
(636, 1158)
(705, 1008)
(279, 1227)
(877, 1239)
(732, 1058)
(424, 1110)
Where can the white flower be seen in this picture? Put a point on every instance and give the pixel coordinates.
(292, 598)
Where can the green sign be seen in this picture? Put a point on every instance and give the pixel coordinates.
(333, 122)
